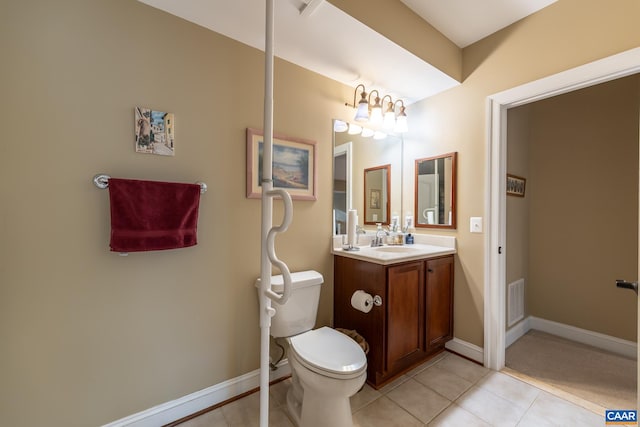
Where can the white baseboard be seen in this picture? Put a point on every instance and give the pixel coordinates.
(518, 330)
(466, 349)
(605, 342)
(176, 409)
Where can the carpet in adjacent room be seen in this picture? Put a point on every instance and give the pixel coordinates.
(598, 376)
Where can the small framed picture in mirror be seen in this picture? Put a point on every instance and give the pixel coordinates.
(515, 185)
(374, 199)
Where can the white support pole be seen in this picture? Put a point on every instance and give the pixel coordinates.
(266, 311)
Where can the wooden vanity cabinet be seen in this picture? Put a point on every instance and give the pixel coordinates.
(439, 308)
(415, 319)
(405, 315)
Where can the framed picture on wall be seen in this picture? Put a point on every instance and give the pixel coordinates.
(515, 185)
(293, 165)
(154, 131)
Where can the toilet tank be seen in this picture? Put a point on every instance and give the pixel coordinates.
(298, 315)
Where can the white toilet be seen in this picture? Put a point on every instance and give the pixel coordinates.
(327, 366)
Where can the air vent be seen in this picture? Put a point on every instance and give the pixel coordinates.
(515, 302)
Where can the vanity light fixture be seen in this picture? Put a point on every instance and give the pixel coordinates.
(362, 114)
(389, 120)
(401, 120)
(367, 112)
(376, 110)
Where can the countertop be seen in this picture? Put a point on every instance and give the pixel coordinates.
(426, 246)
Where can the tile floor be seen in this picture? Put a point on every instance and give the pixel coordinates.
(445, 391)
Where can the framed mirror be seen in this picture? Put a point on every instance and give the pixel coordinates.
(435, 191)
(377, 189)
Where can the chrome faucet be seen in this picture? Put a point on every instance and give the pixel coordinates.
(380, 235)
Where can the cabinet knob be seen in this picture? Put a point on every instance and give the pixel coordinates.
(430, 270)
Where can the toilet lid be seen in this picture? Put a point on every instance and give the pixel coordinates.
(330, 351)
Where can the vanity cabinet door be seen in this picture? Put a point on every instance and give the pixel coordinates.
(439, 301)
(404, 315)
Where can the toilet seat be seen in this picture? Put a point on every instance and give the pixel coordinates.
(329, 353)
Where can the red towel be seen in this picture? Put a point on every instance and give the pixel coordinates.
(151, 215)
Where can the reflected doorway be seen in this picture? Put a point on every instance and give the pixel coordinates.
(342, 158)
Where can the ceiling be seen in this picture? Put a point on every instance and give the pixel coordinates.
(464, 22)
(329, 42)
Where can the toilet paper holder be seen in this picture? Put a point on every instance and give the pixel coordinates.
(364, 302)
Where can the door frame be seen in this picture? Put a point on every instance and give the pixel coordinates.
(345, 149)
(603, 70)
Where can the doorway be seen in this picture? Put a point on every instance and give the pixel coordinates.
(342, 158)
(607, 69)
(570, 237)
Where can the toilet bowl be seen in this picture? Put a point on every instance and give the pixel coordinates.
(327, 366)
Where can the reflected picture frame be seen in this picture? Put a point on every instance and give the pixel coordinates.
(516, 185)
(293, 163)
(374, 199)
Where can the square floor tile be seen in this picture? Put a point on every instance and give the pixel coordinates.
(278, 392)
(491, 408)
(246, 412)
(365, 396)
(419, 400)
(443, 382)
(393, 384)
(464, 368)
(435, 359)
(457, 416)
(548, 410)
(509, 388)
(383, 412)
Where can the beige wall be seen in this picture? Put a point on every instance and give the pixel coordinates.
(89, 337)
(583, 221)
(517, 239)
(562, 36)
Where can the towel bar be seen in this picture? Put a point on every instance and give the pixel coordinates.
(102, 181)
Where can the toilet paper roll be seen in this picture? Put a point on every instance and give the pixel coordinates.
(352, 225)
(360, 300)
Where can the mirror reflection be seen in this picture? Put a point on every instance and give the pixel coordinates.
(435, 188)
(341, 187)
(353, 153)
(376, 191)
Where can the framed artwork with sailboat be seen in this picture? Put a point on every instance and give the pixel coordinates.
(293, 166)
